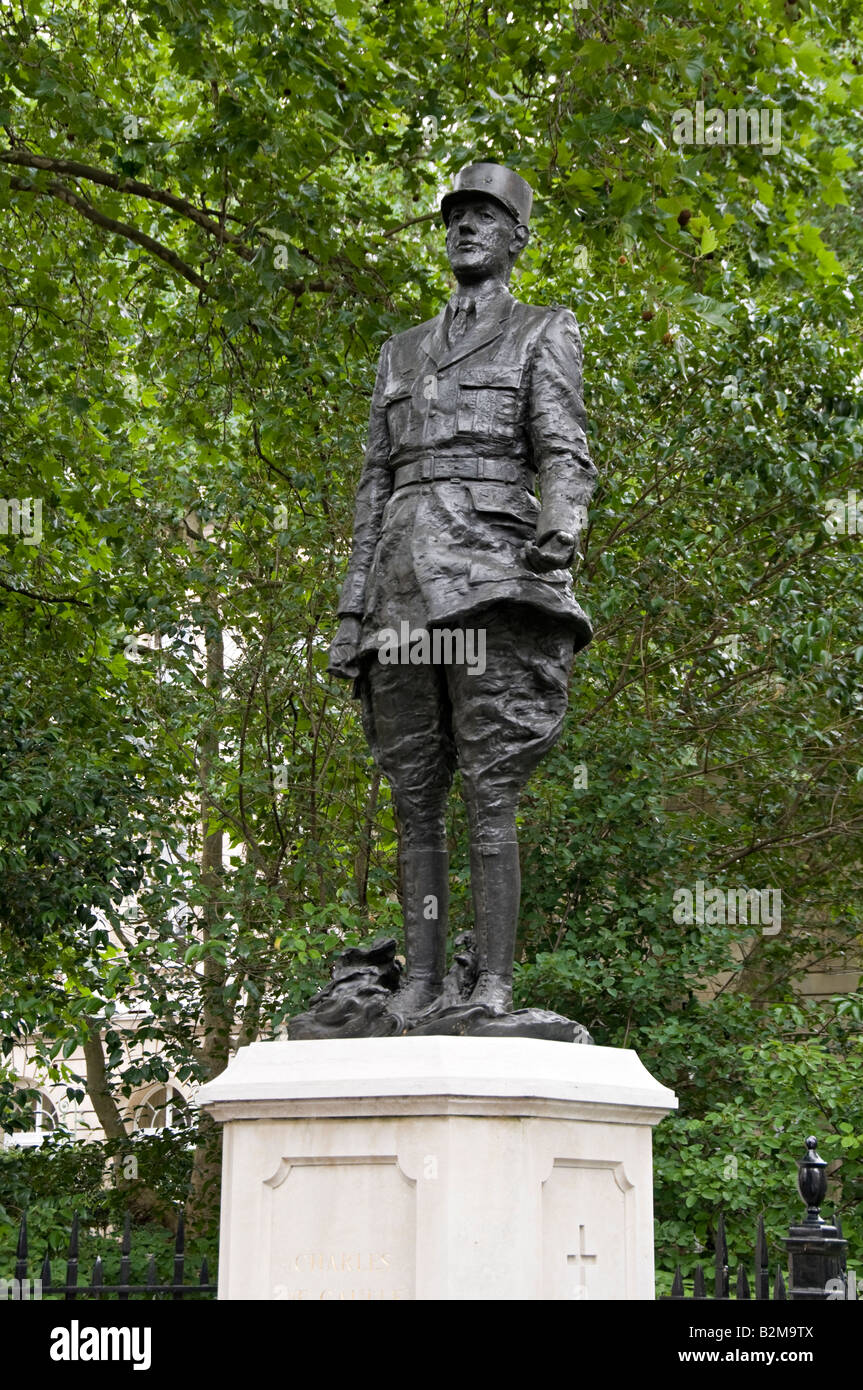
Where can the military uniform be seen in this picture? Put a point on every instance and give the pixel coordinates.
(468, 419)
(497, 413)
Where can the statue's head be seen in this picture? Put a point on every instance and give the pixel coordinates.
(486, 215)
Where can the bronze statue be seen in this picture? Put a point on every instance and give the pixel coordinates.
(458, 620)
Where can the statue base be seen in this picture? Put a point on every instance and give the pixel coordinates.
(433, 1167)
(362, 1000)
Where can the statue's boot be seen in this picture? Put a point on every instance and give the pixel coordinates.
(425, 894)
(495, 878)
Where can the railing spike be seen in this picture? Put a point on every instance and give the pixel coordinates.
(45, 1275)
(761, 1242)
(677, 1284)
(843, 1258)
(98, 1277)
(720, 1281)
(779, 1294)
(742, 1283)
(125, 1257)
(762, 1263)
(72, 1261)
(21, 1250)
(721, 1242)
(205, 1272)
(179, 1259)
(698, 1287)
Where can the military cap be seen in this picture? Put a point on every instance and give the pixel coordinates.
(495, 181)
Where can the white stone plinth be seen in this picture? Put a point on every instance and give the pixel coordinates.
(436, 1168)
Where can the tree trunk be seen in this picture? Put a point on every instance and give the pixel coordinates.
(202, 1206)
(364, 853)
(144, 1204)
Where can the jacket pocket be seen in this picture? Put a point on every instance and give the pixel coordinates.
(504, 500)
(397, 403)
(488, 400)
(508, 571)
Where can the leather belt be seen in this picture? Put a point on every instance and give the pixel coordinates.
(434, 468)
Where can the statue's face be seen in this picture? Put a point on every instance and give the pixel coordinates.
(482, 239)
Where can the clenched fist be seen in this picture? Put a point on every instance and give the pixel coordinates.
(556, 552)
(345, 651)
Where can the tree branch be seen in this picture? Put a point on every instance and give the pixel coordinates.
(142, 190)
(110, 224)
(411, 222)
(133, 186)
(42, 598)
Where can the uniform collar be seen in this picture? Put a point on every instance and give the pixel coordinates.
(492, 296)
(493, 310)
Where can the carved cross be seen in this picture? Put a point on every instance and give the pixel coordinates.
(579, 1259)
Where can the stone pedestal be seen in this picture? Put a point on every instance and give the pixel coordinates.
(816, 1262)
(436, 1168)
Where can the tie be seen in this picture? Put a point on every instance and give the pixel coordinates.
(463, 319)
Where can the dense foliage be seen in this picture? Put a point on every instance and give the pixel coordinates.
(211, 216)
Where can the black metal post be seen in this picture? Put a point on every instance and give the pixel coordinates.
(816, 1250)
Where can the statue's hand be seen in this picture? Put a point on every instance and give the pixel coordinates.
(556, 552)
(345, 651)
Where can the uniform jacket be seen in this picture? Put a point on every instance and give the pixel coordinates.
(511, 389)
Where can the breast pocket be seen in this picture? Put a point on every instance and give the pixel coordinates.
(397, 403)
(488, 400)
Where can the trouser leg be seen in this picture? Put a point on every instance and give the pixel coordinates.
(495, 878)
(425, 896)
(405, 714)
(504, 720)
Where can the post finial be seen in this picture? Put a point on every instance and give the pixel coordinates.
(812, 1182)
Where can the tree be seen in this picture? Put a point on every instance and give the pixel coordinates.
(213, 215)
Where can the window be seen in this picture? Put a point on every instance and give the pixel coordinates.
(162, 1107)
(35, 1114)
